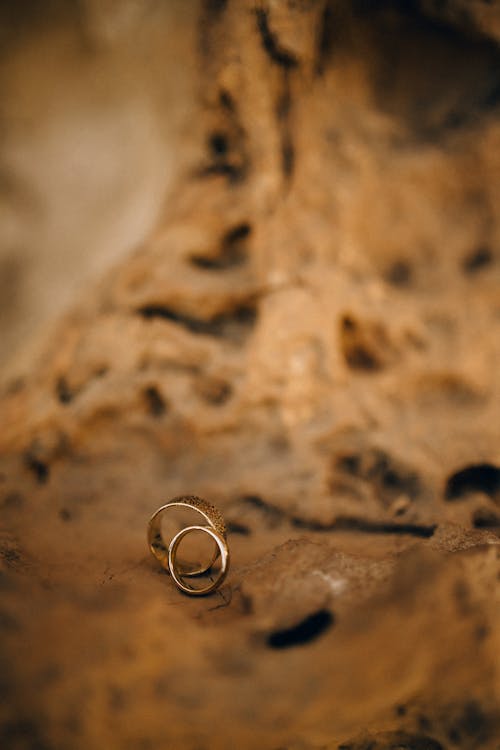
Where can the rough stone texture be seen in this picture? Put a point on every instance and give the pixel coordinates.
(310, 340)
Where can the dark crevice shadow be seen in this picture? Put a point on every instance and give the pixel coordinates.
(270, 42)
(155, 403)
(474, 478)
(234, 325)
(38, 468)
(306, 631)
(232, 253)
(276, 515)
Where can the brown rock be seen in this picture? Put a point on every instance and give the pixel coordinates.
(310, 339)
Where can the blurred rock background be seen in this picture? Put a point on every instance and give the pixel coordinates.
(95, 99)
(309, 338)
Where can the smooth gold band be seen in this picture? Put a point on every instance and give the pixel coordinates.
(215, 527)
(222, 550)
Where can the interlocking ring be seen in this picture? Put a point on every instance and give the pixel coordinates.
(215, 527)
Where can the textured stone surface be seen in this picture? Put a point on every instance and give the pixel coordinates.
(310, 339)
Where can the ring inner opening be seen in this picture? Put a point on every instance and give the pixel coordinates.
(198, 550)
(195, 550)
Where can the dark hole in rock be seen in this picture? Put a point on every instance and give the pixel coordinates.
(271, 513)
(388, 477)
(474, 478)
(220, 394)
(216, 7)
(360, 358)
(399, 274)
(63, 391)
(471, 725)
(270, 42)
(232, 251)
(233, 172)
(364, 346)
(226, 100)
(155, 402)
(219, 144)
(255, 501)
(452, 85)
(349, 463)
(38, 468)
(234, 527)
(379, 527)
(477, 260)
(326, 38)
(239, 232)
(214, 390)
(306, 631)
(394, 741)
(234, 324)
(348, 323)
(485, 518)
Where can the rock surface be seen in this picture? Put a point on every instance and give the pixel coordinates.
(310, 340)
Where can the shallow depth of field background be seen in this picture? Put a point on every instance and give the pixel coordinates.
(94, 99)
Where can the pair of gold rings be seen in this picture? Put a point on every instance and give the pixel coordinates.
(167, 555)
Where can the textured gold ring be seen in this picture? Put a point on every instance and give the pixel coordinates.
(167, 555)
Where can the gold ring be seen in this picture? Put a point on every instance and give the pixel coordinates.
(224, 557)
(167, 555)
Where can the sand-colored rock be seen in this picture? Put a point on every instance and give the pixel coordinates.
(311, 340)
